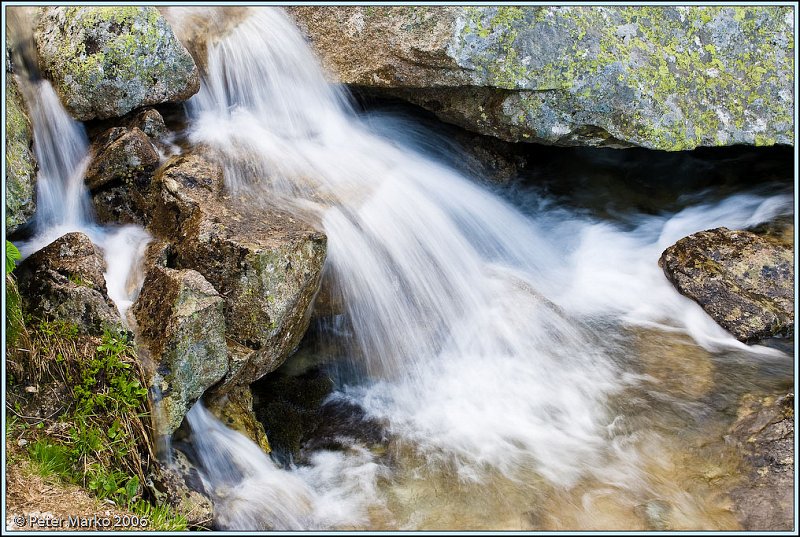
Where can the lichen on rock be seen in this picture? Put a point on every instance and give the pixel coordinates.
(662, 77)
(64, 281)
(744, 281)
(106, 61)
(266, 264)
(182, 327)
(21, 164)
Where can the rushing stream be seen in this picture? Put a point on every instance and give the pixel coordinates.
(530, 365)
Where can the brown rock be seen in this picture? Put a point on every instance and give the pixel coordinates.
(765, 433)
(64, 281)
(744, 281)
(181, 324)
(266, 265)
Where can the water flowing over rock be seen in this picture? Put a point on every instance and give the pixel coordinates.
(765, 432)
(20, 163)
(64, 281)
(106, 61)
(745, 282)
(670, 78)
(266, 265)
(181, 323)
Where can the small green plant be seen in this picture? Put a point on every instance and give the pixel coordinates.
(14, 322)
(160, 517)
(51, 459)
(77, 280)
(12, 256)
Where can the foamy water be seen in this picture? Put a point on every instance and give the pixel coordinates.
(491, 342)
(528, 368)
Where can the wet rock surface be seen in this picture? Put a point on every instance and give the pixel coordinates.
(234, 408)
(64, 281)
(106, 61)
(764, 431)
(744, 281)
(670, 78)
(181, 323)
(120, 173)
(265, 264)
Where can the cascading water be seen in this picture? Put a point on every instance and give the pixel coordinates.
(495, 344)
(63, 201)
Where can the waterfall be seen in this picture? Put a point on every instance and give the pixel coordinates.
(492, 342)
(64, 203)
(483, 334)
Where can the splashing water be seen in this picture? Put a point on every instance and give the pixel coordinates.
(493, 343)
(63, 202)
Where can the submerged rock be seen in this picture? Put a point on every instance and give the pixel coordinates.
(64, 281)
(744, 281)
(764, 431)
(21, 164)
(266, 265)
(661, 77)
(181, 324)
(106, 61)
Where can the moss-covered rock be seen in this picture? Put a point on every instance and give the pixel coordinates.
(266, 265)
(670, 78)
(106, 61)
(234, 408)
(20, 162)
(64, 282)
(744, 281)
(182, 326)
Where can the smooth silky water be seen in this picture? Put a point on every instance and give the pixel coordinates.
(531, 365)
(533, 369)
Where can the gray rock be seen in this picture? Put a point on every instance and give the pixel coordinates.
(266, 265)
(764, 431)
(744, 281)
(64, 281)
(106, 61)
(670, 78)
(181, 324)
(21, 164)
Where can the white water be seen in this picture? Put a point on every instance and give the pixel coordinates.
(63, 202)
(486, 337)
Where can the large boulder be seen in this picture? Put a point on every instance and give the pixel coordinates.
(764, 431)
(106, 61)
(265, 264)
(20, 162)
(64, 282)
(744, 281)
(182, 327)
(661, 77)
